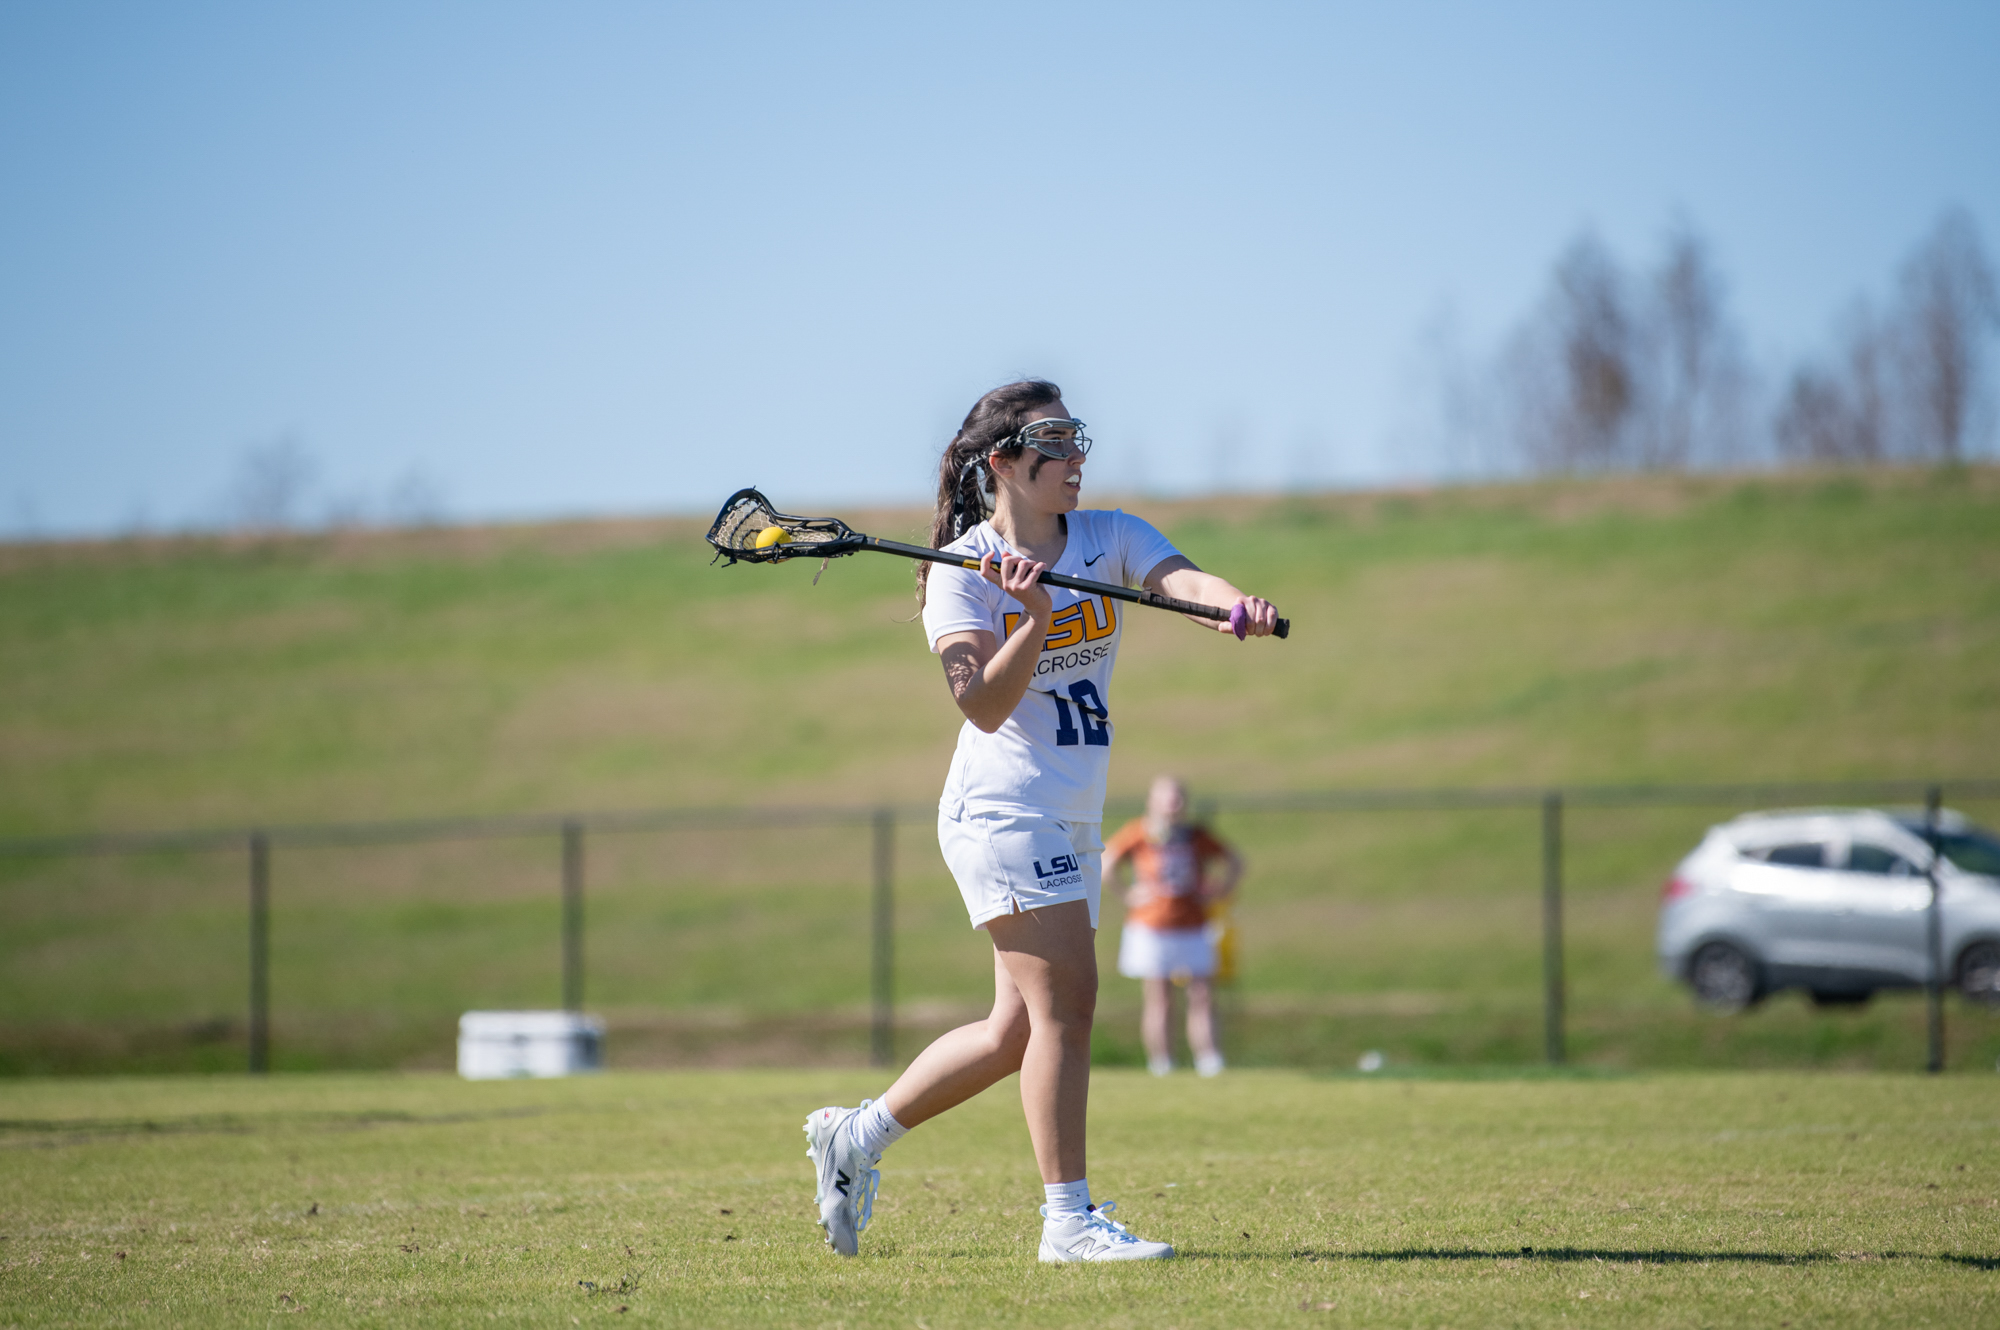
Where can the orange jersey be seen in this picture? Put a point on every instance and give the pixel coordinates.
(1168, 876)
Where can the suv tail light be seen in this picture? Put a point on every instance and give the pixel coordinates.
(1675, 888)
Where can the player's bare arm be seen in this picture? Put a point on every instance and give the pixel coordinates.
(1178, 577)
(1117, 864)
(987, 680)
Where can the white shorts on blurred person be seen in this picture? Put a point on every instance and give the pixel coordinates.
(1165, 953)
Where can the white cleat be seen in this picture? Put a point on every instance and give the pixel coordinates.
(846, 1178)
(1092, 1237)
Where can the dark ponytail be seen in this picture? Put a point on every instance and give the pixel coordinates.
(965, 482)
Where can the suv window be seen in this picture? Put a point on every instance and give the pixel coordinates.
(1810, 855)
(1974, 851)
(1874, 859)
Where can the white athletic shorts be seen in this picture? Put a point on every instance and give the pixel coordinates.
(1006, 863)
(1166, 953)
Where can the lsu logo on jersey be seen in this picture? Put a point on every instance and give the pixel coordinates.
(1089, 620)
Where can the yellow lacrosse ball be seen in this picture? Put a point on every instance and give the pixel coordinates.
(771, 535)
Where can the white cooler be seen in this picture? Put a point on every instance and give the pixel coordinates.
(495, 1045)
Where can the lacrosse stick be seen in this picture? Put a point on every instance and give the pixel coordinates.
(744, 530)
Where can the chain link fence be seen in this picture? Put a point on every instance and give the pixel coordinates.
(1445, 926)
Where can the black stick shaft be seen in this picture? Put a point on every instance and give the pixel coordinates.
(1151, 599)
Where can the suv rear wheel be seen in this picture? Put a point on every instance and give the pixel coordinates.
(1724, 977)
(1979, 973)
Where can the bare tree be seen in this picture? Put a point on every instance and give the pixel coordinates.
(1841, 414)
(1446, 417)
(271, 480)
(1868, 386)
(1569, 372)
(1812, 423)
(1608, 373)
(1909, 384)
(1695, 378)
(1947, 307)
(1611, 372)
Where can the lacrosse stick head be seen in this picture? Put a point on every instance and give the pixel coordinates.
(748, 515)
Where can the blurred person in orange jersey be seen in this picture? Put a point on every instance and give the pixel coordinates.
(1181, 877)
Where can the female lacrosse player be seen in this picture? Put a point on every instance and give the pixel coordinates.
(1167, 938)
(1030, 666)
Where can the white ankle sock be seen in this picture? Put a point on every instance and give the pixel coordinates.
(875, 1128)
(1067, 1198)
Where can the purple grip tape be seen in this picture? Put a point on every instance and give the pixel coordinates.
(1239, 621)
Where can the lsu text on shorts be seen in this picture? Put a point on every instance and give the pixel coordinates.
(1006, 863)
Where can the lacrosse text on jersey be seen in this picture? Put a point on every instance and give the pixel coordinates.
(1051, 756)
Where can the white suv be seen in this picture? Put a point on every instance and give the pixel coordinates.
(1834, 901)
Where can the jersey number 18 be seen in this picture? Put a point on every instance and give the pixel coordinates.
(1084, 693)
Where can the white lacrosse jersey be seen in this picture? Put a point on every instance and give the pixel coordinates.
(1052, 755)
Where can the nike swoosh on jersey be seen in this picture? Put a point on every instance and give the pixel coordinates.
(1088, 562)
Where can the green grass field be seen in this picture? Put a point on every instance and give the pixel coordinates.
(1781, 1200)
(1632, 629)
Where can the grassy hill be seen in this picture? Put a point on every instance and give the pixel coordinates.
(1628, 629)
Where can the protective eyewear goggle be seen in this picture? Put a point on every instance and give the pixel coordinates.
(1055, 437)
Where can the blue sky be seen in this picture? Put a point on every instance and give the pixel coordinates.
(623, 258)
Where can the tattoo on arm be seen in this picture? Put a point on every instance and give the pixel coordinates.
(962, 667)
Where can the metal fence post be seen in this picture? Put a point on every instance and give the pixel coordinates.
(1552, 927)
(1933, 807)
(882, 985)
(572, 915)
(260, 953)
